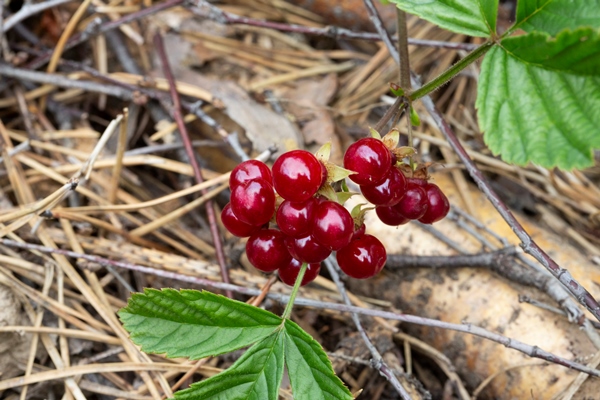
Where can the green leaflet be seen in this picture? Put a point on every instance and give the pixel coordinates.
(310, 371)
(470, 17)
(256, 375)
(575, 52)
(194, 324)
(533, 114)
(552, 16)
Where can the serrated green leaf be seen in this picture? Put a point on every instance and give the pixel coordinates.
(256, 375)
(533, 114)
(193, 324)
(310, 371)
(552, 16)
(470, 17)
(575, 52)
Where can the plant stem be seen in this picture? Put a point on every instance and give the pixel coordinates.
(404, 65)
(451, 72)
(288, 308)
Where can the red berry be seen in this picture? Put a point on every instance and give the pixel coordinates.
(266, 250)
(390, 216)
(297, 175)
(438, 205)
(362, 258)
(370, 159)
(289, 273)
(387, 192)
(307, 249)
(248, 171)
(333, 225)
(294, 218)
(414, 203)
(417, 181)
(234, 225)
(253, 202)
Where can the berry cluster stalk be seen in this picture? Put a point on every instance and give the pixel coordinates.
(288, 308)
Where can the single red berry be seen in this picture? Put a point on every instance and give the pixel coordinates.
(414, 203)
(294, 219)
(359, 231)
(253, 202)
(289, 273)
(390, 216)
(307, 249)
(297, 175)
(333, 225)
(234, 225)
(388, 191)
(370, 159)
(362, 258)
(248, 171)
(438, 205)
(267, 251)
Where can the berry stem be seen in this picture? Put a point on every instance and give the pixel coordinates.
(288, 308)
(451, 72)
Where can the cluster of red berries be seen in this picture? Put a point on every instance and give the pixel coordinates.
(397, 199)
(311, 225)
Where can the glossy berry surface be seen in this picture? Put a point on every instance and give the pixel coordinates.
(253, 202)
(333, 225)
(234, 225)
(370, 159)
(289, 272)
(388, 191)
(294, 218)
(390, 216)
(362, 258)
(267, 251)
(307, 249)
(437, 205)
(248, 171)
(297, 175)
(414, 203)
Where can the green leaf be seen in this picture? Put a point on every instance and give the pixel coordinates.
(256, 375)
(310, 371)
(533, 114)
(552, 16)
(470, 17)
(575, 52)
(194, 324)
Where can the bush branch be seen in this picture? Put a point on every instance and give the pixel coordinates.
(210, 209)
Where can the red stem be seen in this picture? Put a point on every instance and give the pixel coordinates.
(210, 210)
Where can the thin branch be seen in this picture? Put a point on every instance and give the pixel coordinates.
(532, 351)
(95, 30)
(210, 210)
(491, 260)
(205, 9)
(404, 65)
(527, 243)
(29, 9)
(377, 361)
